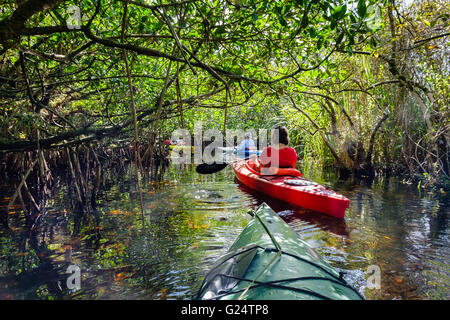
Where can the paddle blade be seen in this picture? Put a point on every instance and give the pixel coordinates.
(205, 168)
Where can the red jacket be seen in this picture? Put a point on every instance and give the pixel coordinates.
(287, 157)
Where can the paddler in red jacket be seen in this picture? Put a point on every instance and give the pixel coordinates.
(278, 155)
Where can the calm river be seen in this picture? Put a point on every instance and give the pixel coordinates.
(191, 220)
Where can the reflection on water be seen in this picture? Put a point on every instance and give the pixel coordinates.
(191, 220)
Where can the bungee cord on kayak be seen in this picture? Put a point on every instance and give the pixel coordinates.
(275, 284)
(258, 267)
(271, 262)
(339, 281)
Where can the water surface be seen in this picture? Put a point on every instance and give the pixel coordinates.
(191, 220)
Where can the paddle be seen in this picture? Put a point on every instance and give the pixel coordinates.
(205, 168)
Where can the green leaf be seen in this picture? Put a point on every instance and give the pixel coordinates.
(132, 12)
(305, 22)
(278, 9)
(339, 12)
(362, 8)
(286, 9)
(220, 30)
(319, 43)
(333, 25)
(351, 39)
(282, 21)
(339, 38)
(349, 50)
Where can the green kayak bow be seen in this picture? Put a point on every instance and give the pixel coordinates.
(268, 261)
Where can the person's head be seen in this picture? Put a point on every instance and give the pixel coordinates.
(248, 135)
(283, 135)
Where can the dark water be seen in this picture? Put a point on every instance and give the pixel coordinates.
(191, 220)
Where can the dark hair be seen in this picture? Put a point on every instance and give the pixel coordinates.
(283, 134)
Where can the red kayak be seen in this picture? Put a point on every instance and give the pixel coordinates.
(289, 186)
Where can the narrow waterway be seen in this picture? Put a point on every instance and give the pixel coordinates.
(191, 220)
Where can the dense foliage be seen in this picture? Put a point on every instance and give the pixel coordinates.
(362, 85)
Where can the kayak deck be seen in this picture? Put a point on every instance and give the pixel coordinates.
(269, 262)
(295, 190)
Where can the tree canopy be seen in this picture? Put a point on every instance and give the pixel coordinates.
(360, 80)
